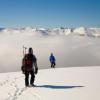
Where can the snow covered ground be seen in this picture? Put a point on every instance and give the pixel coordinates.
(76, 83)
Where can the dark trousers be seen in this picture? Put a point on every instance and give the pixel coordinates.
(53, 64)
(27, 73)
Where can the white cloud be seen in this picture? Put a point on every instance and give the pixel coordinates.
(69, 50)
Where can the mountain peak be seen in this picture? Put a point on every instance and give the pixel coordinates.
(81, 31)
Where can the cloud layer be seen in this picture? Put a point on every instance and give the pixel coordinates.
(70, 50)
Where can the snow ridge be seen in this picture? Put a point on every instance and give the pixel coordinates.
(81, 31)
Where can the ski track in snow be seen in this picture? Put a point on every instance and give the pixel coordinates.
(12, 83)
(4, 83)
(18, 91)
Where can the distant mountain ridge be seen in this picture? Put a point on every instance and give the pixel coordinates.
(81, 31)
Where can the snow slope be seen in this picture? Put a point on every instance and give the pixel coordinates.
(77, 83)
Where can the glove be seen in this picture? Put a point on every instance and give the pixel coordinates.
(36, 70)
(23, 69)
(23, 72)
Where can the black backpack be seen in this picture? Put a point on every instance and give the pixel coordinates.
(27, 63)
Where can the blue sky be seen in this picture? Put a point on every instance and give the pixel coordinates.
(49, 13)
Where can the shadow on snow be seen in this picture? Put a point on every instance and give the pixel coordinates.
(58, 87)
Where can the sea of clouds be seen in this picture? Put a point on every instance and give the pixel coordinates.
(70, 50)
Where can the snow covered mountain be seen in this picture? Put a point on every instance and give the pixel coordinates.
(90, 32)
(81, 31)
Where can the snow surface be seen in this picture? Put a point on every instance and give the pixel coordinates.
(77, 83)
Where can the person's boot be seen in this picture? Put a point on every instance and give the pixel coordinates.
(32, 85)
(27, 85)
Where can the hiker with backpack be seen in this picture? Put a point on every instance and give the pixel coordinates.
(29, 67)
(52, 60)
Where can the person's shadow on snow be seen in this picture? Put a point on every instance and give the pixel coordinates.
(58, 87)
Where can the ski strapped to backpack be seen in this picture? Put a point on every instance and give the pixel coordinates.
(23, 60)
